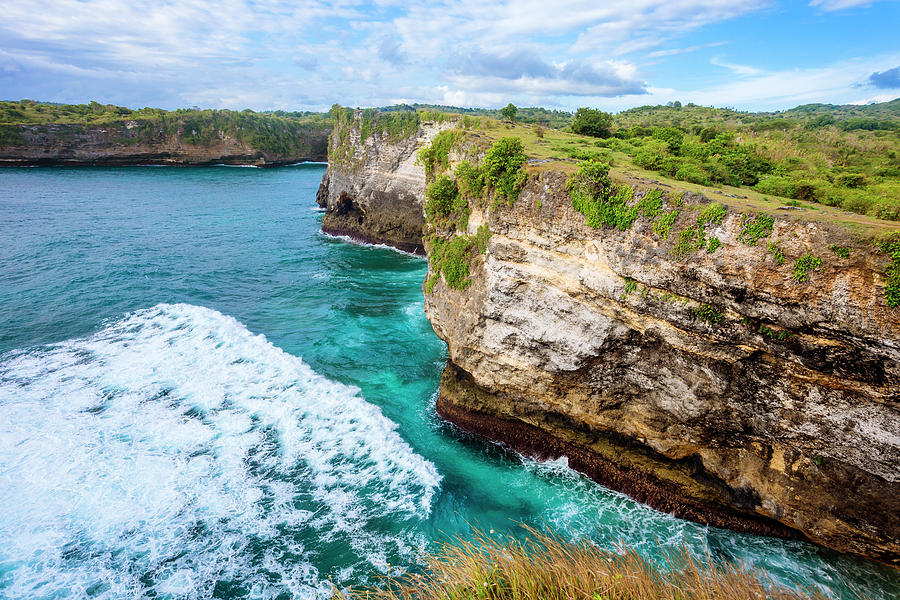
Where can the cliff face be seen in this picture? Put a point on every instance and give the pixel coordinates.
(780, 417)
(373, 188)
(134, 142)
(713, 385)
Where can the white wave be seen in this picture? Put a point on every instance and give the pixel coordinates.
(347, 238)
(238, 166)
(175, 449)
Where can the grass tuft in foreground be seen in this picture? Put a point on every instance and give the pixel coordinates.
(546, 567)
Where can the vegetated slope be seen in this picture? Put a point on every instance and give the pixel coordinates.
(845, 156)
(72, 133)
(842, 156)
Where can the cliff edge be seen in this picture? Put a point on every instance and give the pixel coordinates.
(736, 367)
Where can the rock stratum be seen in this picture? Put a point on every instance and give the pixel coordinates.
(131, 142)
(712, 385)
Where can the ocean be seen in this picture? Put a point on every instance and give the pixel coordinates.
(203, 396)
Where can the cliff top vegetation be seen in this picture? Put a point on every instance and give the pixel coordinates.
(816, 162)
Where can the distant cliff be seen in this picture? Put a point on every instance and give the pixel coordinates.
(721, 363)
(189, 137)
(374, 185)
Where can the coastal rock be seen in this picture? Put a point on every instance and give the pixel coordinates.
(375, 193)
(780, 416)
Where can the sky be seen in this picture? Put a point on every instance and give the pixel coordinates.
(560, 54)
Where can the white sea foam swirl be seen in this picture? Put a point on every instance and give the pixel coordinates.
(176, 454)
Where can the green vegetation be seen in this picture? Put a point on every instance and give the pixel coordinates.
(630, 286)
(602, 203)
(755, 228)
(774, 248)
(502, 169)
(450, 258)
(845, 156)
(436, 156)
(841, 251)
(713, 245)
(509, 112)
(663, 225)
(275, 133)
(804, 265)
(891, 246)
(548, 567)
(592, 122)
(708, 313)
(774, 334)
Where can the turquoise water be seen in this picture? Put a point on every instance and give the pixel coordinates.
(203, 396)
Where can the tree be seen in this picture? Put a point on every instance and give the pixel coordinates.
(509, 112)
(590, 121)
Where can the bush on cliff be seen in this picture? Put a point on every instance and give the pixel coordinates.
(503, 169)
(547, 567)
(435, 157)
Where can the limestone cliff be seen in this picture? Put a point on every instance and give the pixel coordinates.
(131, 142)
(373, 188)
(752, 384)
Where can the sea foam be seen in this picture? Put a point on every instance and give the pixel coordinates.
(174, 451)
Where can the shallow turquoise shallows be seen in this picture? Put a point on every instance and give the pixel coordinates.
(203, 396)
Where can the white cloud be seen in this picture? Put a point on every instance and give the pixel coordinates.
(839, 4)
(737, 69)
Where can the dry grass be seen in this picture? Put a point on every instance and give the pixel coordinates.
(547, 567)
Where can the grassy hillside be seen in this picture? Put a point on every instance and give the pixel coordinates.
(276, 133)
(843, 156)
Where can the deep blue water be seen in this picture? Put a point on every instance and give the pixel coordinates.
(203, 396)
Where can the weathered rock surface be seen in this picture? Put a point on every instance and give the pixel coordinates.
(780, 418)
(376, 195)
(125, 143)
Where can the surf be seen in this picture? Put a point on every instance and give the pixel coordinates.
(174, 452)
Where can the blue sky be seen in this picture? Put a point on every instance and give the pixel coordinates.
(274, 54)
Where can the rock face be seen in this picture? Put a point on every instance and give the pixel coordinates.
(127, 143)
(375, 194)
(711, 385)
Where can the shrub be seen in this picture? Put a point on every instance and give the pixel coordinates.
(774, 248)
(450, 259)
(804, 265)
(509, 112)
(851, 180)
(755, 228)
(713, 213)
(841, 251)
(440, 196)
(592, 122)
(663, 225)
(690, 239)
(436, 156)
(671, 136)
(503, 168)
(651, 155)
(714, 244)
(539, 131)
(892, 271)
(693, 173)
(469, 179)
